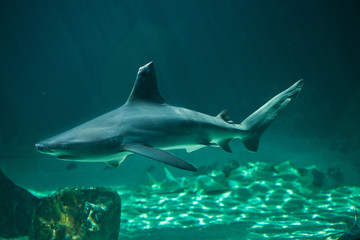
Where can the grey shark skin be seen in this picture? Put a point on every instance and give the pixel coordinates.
(148, 126)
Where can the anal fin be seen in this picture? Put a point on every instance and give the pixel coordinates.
(158, 155)
(225, 145)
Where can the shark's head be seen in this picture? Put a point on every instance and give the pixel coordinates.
(58, 146)
(79, 144)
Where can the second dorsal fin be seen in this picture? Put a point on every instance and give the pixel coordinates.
(145, 88)
(225, 116)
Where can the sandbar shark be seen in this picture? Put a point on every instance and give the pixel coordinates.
(148, 126)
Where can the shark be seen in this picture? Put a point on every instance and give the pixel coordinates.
(147, 125)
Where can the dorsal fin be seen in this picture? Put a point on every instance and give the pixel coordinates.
(145, 88)
(225, 116)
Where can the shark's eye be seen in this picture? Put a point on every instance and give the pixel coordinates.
(64, 147)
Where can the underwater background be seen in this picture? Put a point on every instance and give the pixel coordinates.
(65, 62)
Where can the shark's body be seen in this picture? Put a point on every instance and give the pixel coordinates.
(148, 126)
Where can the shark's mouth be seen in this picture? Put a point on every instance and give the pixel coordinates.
(42, 148)
(65, 157)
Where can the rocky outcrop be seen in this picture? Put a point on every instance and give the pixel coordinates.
(77, 213)
(16, 208)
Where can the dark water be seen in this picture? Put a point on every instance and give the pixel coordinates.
(65, 62)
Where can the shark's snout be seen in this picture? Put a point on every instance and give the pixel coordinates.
(42, 148)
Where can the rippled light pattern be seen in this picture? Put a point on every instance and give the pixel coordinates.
(257, 201)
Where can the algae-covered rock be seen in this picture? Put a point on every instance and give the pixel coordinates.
(77, 213)
(16, 209)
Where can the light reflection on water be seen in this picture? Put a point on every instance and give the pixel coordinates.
(254, 202)
(281, 205)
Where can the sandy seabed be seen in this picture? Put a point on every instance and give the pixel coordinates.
(250, 201)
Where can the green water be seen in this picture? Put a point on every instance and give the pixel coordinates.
(255, 201)
(66, 62)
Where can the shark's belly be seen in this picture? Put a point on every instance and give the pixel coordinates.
(106, 157)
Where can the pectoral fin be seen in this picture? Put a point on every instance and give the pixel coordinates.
(115, 163)
(158, 155)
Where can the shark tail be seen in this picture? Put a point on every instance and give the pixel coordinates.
(260, 120)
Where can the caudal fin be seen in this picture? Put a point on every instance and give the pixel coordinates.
(257, 122)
